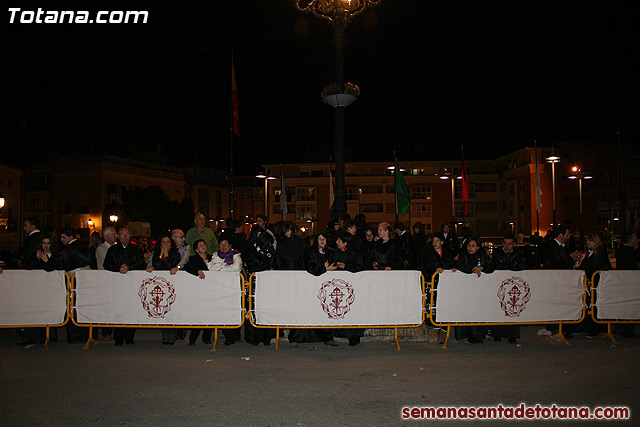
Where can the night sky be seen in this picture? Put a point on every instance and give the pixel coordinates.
(492, 75)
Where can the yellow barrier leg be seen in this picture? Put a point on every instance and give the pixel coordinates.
(395, 340)
(609, 334)
(277, 339)
(46, 340)
(561, 335)
(215, 339)
(90, 340)
(446, 339)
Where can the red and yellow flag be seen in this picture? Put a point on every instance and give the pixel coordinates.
(235, 100)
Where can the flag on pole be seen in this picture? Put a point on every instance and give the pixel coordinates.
(538, 189)
(235, 100)
(283, 195)
(403, 198)
(465, 186)
(332, 197)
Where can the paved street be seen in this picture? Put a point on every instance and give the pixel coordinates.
(150, 384)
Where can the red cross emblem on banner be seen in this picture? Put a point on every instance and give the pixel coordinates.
(514, 294)
(336, 297)
(157, 294)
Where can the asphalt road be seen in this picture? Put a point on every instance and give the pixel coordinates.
(150, 384)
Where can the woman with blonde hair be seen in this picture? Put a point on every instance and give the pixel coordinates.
(596, 258)
(384, 254)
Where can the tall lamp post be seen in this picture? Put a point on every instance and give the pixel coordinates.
(449, 175)
(579, 175)
(338, 13)
(266, 178)
(553, 159)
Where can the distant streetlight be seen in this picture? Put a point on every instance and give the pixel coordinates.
(2, 201)
(449, 175)
(579, 175)
(266, 177)
(553, 159)
(113, 218)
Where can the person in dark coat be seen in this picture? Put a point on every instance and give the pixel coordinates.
(556, 254)
(40, 259)
(72, 256)
(595, 259)
(451, 242)
(164, 258)
(122, 257)
(473, 259)
(384, 255)
(347, 259)
(356, 240)
(626, 260)
(290, 251)
(197, 265)
(31, 242)
(368, 241)
(317, 261)
(258, 256)
(403, 245)
(435, 257)
(417, 242)
(508, 257)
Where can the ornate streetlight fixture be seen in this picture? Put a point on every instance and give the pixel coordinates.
(338, 13)
(553, 159)
(577, 174)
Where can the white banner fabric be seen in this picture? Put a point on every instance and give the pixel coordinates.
(158, 298)
(32, 297)
(510, 296)
(618, 295)
(368, 298)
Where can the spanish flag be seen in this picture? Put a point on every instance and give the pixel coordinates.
(235, 101)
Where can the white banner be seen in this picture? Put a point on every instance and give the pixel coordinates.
(368, 298)
(32, 297)
(510, 296)
(138, 297)
(618, 295)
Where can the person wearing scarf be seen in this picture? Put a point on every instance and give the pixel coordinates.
(228, 260)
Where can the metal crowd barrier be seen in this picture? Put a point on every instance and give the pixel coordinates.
(432, 307)
(46, 326)
(250, 316)
(593, 308)
(91, 340)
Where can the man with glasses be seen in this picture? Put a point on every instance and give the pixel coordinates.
(184, 249)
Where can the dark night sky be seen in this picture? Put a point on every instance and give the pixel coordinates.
(492, 75)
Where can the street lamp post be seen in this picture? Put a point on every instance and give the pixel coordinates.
(579, 175)
(338, 13)
(449, 175)
(266, 178)
(553, 159)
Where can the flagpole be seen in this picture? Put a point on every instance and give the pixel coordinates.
(537, 197)
(231, 143)
(395, 171)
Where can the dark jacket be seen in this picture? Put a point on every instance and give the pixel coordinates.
(404, 250)
(466, 261)
(597, 260)
(557, 257)
(386, 255)
(513, 260)
(314, 260)
(417, 242)
(350, 257)
(196, 263)
(71, 257)
(35, 263)
(290, 253)
(452, 243)
(626, 258)
(30, 245)
(258, 257)
(430, 260)
(166, 263)
(118, 255)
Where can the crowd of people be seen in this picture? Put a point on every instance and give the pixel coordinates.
(347, 244)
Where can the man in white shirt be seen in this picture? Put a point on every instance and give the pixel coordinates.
(110, 237)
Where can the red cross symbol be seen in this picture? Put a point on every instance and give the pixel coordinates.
(336, 296)
(157, 294)
(514, 293)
